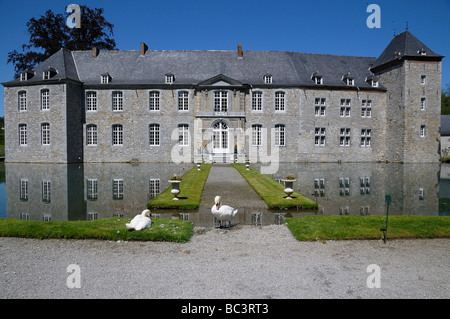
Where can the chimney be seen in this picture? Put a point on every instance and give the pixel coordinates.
(240, 53)
(144, 48)
(95, 52)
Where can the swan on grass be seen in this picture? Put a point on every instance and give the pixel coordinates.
(141, 221)
(223, 213)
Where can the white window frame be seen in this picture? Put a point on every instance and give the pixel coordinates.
(23, 190)
(280, 101)
(169, 78)
(91, 101)
(92, 189)
(183, 134)
(46, 191)
(22, 101)
(423, 79)
(23, 134)
(220, 102)
(91, 135)
(366, 108)
(320, 136)
(423, 103)
(256, 135)
(345, 109)
(345, 137)
(154, 134)
(105, 79)
(117, 101)
(154, 101)
(45, 99)
(280, 135)
(257, 101)
(45, 133)
(117, 135)
(423, 131)
(320, 106)
(154, 187)
(366, 137)
(183, 101)
(267, 79)
(117, 188)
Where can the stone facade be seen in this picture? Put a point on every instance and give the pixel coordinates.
(228, 119)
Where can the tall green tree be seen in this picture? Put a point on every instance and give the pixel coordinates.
(445, 101)
(49, 33)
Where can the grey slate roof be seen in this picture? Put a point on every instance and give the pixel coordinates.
(405, 45)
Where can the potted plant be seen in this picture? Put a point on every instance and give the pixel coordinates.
(175, 180)
(289, 184)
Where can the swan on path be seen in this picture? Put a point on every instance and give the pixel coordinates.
(141, 221)
(223, 213)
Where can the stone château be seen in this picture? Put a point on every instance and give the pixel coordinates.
(190, 106)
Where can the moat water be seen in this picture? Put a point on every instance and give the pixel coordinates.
(62, 192)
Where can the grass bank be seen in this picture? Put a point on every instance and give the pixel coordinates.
(310, 228)
(272, 192)
(171, 230)
(191, 191)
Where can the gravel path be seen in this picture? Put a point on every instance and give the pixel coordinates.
(244, 262)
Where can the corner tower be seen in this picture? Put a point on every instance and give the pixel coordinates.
(412, 74)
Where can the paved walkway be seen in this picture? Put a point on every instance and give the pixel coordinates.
(227, 182)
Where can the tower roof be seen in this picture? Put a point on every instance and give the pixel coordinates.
(404, 46)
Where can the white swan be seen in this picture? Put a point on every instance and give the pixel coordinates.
(222, 212)
(141, 221)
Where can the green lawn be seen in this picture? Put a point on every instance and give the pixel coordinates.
(191, 191)
(272, 192)
(172, 230)
(335, 227)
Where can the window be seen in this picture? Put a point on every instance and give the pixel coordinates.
(46, 75)
(364, 185)
(117, 101)
(257, 101)
(117, 188)
(154, 187)
(280, 137)
(220, 101)
(374, 83)
(92, 189)
(345, 108)
(23, 76)
(117, 135)
(23, 190)
(344, 186)
(45, 134)
(319, 187)
(422, 131)
(105, 78)
(256, 135)
(319, 136)
(350, 81)
(22, 103)
(344, 137)
(45, 99)
(91, 101)
(318, 80)
(423, 103)
(153, 101)
(366, 108)
(183, 101)
(366, 137)
(183, 134)
(46, 191)
(170, 78)
(91, 135)
(423, 79)
(320, 106)
(280, 101)
(23, 138)
(267, 79)
(421, 194)
(153, 134)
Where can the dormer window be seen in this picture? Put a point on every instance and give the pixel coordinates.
(348, 79)
(105, 78)
(422, 52)
(26, 75)
(372, 80)
(48, 74)
(317, 78)
(374, 83)
(170, 78)
(267, 79)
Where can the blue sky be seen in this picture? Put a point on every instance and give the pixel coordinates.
(315, 26)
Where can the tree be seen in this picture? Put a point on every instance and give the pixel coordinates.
(445, 101)
(50, 33)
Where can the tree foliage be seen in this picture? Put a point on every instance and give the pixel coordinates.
(445, 101)
(49, 33)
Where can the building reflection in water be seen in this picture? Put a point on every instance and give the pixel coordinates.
(93, 191)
